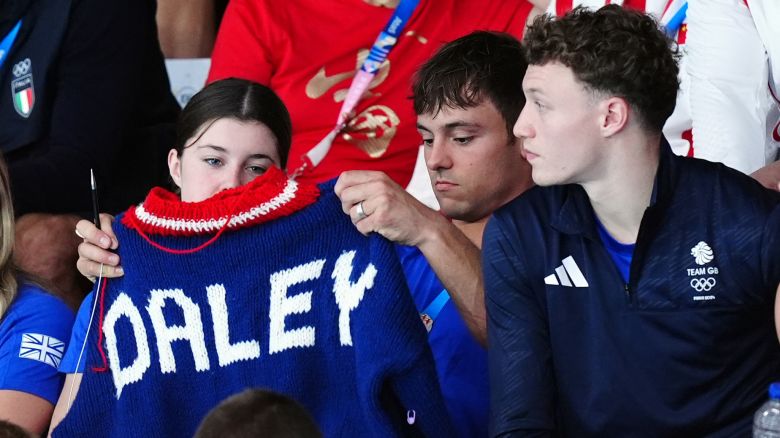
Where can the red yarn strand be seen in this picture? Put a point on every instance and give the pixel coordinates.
(102, 298)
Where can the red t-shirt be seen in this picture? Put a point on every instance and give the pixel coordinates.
(308, 52)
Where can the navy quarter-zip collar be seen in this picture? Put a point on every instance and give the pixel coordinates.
(576, 214)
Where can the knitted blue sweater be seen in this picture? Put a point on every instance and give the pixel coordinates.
(302, 304)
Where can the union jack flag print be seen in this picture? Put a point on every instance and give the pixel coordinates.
(42, 348)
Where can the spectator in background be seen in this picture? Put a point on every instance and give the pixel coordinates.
(258, 413)
(734, 53)
(187, 28)
(309, 51)
(34, 331)
(84, 86)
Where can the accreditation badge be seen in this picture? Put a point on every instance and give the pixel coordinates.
(427, 321)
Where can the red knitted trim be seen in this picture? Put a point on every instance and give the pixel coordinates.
(267, 197)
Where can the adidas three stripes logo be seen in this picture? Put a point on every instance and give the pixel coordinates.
(568, 275)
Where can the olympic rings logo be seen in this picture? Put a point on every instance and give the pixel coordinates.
(22, 67)
(703, 284)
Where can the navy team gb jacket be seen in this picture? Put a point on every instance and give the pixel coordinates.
(686, 348)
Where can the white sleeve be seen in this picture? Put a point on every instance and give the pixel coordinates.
(729, 72)
(764, 13)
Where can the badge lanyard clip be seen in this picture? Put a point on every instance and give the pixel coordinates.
(431, 312)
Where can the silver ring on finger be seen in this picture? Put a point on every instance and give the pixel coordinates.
(361, 214)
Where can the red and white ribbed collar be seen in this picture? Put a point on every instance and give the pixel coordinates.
(266, 198)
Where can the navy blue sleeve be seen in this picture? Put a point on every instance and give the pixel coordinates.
(521, 382)
(33, 337)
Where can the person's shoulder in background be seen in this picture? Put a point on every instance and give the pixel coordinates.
(33, 336)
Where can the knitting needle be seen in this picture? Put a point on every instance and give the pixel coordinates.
(95, 209)
(96, 221)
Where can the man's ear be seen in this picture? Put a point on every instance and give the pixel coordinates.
(174, 167)
(614, 115)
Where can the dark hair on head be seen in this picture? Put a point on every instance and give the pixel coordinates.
(481, 65)
(613, 50)
(258, 413)
(238, 99)
(10, 430)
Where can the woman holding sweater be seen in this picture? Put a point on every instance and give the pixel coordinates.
(204, 311)
(230, 133)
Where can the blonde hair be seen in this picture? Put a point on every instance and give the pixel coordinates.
(8, 283)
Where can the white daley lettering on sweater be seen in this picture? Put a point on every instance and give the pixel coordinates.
(123, 306)
(348, 296)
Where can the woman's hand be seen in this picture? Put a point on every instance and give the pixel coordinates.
(96, 249)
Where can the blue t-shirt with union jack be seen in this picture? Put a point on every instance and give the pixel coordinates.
(33, 336)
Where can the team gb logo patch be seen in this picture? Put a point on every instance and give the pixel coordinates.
(702, 253)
